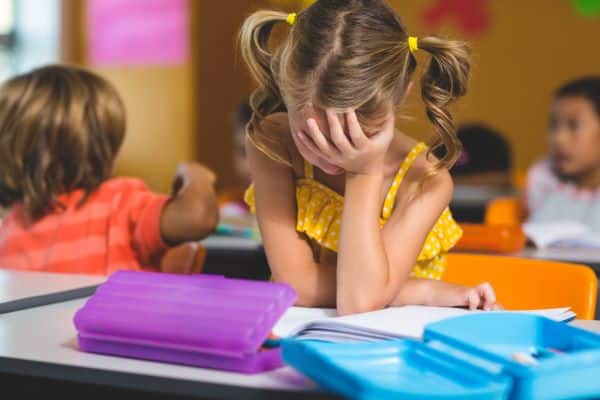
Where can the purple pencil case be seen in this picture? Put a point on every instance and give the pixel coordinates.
(206, 321)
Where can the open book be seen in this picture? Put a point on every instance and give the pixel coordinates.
(386, 324)
(561, 234)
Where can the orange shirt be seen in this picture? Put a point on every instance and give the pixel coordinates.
(117, 227)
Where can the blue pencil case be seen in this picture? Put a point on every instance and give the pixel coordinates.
(480, 356)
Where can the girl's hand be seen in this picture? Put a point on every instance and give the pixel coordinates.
(475, 298)
(355, 152)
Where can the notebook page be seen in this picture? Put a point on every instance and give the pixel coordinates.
(411, 320)
(401, 321)
(407, 321)
(296, 317)
(546, 234)
(587, 241)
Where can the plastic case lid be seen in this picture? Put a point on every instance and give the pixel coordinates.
(204, 313)
(497, 337)
(405, 369)
(473, 356)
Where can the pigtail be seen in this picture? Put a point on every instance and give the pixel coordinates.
(254, 40)
(444, 81)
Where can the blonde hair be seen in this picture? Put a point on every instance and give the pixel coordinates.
(355, 54)
(60, 130)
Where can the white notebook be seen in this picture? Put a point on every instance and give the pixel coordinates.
(389, 323)
(561, 234)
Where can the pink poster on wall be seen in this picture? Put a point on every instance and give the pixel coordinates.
(137, 32)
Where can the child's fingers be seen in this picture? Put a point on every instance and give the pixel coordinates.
(318, 138)
(486, 292)
(338, 137)
(358, 137)
(382, 138)
(473, 300)
(308, 146)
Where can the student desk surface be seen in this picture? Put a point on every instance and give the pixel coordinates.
(27, 350)
(29, 354)
(20, 290)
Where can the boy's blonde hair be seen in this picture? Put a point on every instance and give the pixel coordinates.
(344, 54)
(60, 130)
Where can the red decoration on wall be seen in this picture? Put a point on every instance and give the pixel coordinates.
(471, 16)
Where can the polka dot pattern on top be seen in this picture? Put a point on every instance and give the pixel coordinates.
(320, 215)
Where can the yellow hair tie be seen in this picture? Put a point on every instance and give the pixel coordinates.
(413, 44)
(291, 18)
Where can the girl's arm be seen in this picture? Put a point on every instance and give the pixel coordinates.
(374, 264)
(289, 255)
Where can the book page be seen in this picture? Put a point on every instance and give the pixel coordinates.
(546, 234)
(407, 321)
(296, 317)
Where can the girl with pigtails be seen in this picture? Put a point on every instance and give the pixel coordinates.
(353, 213)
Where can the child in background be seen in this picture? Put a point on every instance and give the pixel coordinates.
(243, 114)
(485, 160)
(352, 212)
(60, 131)
(566, 185)
(231, 200)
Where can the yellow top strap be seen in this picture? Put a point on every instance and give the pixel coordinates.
(390, 198)
(308, 170)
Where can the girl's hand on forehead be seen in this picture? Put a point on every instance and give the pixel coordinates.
(353, 151)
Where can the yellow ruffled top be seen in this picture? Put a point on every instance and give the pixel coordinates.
(320, 214)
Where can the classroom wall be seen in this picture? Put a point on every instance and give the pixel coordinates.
(183, 112)
(160, 101)
(161, 119)
(222, 81)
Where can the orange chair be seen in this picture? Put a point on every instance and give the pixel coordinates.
(523, 284)
(505, 211)
(501, 231)
(187, 258)
(492, 238)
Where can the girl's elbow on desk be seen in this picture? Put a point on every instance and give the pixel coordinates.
(361, 300)
(410, 291)
(308, 295)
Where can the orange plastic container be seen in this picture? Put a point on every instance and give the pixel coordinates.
(505, 211)
(492, 238)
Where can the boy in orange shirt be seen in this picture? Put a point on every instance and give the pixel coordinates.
(60, 131)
